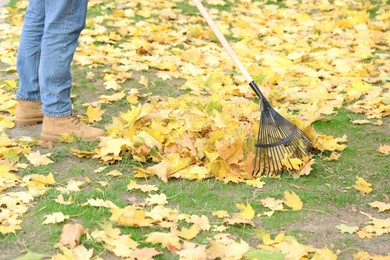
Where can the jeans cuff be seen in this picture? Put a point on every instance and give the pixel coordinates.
(27, 99)
(56, 115)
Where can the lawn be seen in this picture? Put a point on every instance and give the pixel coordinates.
(159, 185)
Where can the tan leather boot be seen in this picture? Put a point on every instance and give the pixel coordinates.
(53, 129)
(28, 113)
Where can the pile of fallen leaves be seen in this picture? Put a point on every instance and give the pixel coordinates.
(309, 58)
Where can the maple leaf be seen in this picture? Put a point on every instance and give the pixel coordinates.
(268, 241)
(256, 183)
(71, 234)
(347, 229)
(72, 186)
(144, 253)
(293, 201)
(60, 199)
(5, 229)
(80, 252)
(333, 157)
(273, 204)
(247, 211)
(143, 187)
(226, 248)
(157, 199)
(36, 159)
(221, 214)
(144, 81)
(112, 98)
(114, 173)
(167, 240)
(362, 185)
(201, 221)
(385, 149)
(112, 84)
(189, 233)
(56, 217)
(130, 216)
(380, 205)
(94, 114)
(190, 250)
(37, 183)
(100, 203)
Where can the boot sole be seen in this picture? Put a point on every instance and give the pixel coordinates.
(28, 122)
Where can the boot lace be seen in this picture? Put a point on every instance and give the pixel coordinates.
(74, 119)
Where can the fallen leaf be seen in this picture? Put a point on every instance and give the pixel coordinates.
(56, 217)
(145, 253)
(94, 114)
(293, 201)
(362, 185)
(385, 149)
(381, 206)
(247, 211)
(71, 234)
(347, 229)
(36, 158)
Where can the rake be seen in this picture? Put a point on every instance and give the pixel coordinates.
(278, 140)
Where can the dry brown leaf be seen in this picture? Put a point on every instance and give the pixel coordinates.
(71, 234)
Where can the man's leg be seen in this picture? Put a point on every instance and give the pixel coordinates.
(64, 22)
(29, 52)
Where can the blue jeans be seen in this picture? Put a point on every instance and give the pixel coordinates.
(49, 39)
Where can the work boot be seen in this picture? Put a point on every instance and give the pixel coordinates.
(54, 128)
(28, 113)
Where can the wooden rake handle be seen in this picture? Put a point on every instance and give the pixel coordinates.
(223, 40)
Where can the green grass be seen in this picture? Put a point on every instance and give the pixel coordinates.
(325, 191)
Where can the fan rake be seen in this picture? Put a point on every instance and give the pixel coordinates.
(277, 139)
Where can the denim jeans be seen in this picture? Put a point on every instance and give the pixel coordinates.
(49, 39)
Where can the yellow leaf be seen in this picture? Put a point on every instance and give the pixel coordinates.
(167, 240)
(114, 173)
(247, 211)
(347, 229)
(157, 199)
(8, 229)
(384, 149)
(94, 114)
(268, 241)
(362, 185)
(189, 233)
(256, 183)
(144, 253)
(100, 203)
(144, 81)
(56, 217)
(273, 204)
(112, 98)
(130, 216)
(221, 214)
(201, 221)
(112, 84)
(333, 157)
(36, 159)
(143, 187)
(380, 205)
(293, 201)
(60, 199)
(119, 14)
(361, 122)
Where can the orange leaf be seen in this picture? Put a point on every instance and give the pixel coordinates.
(71, 234)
